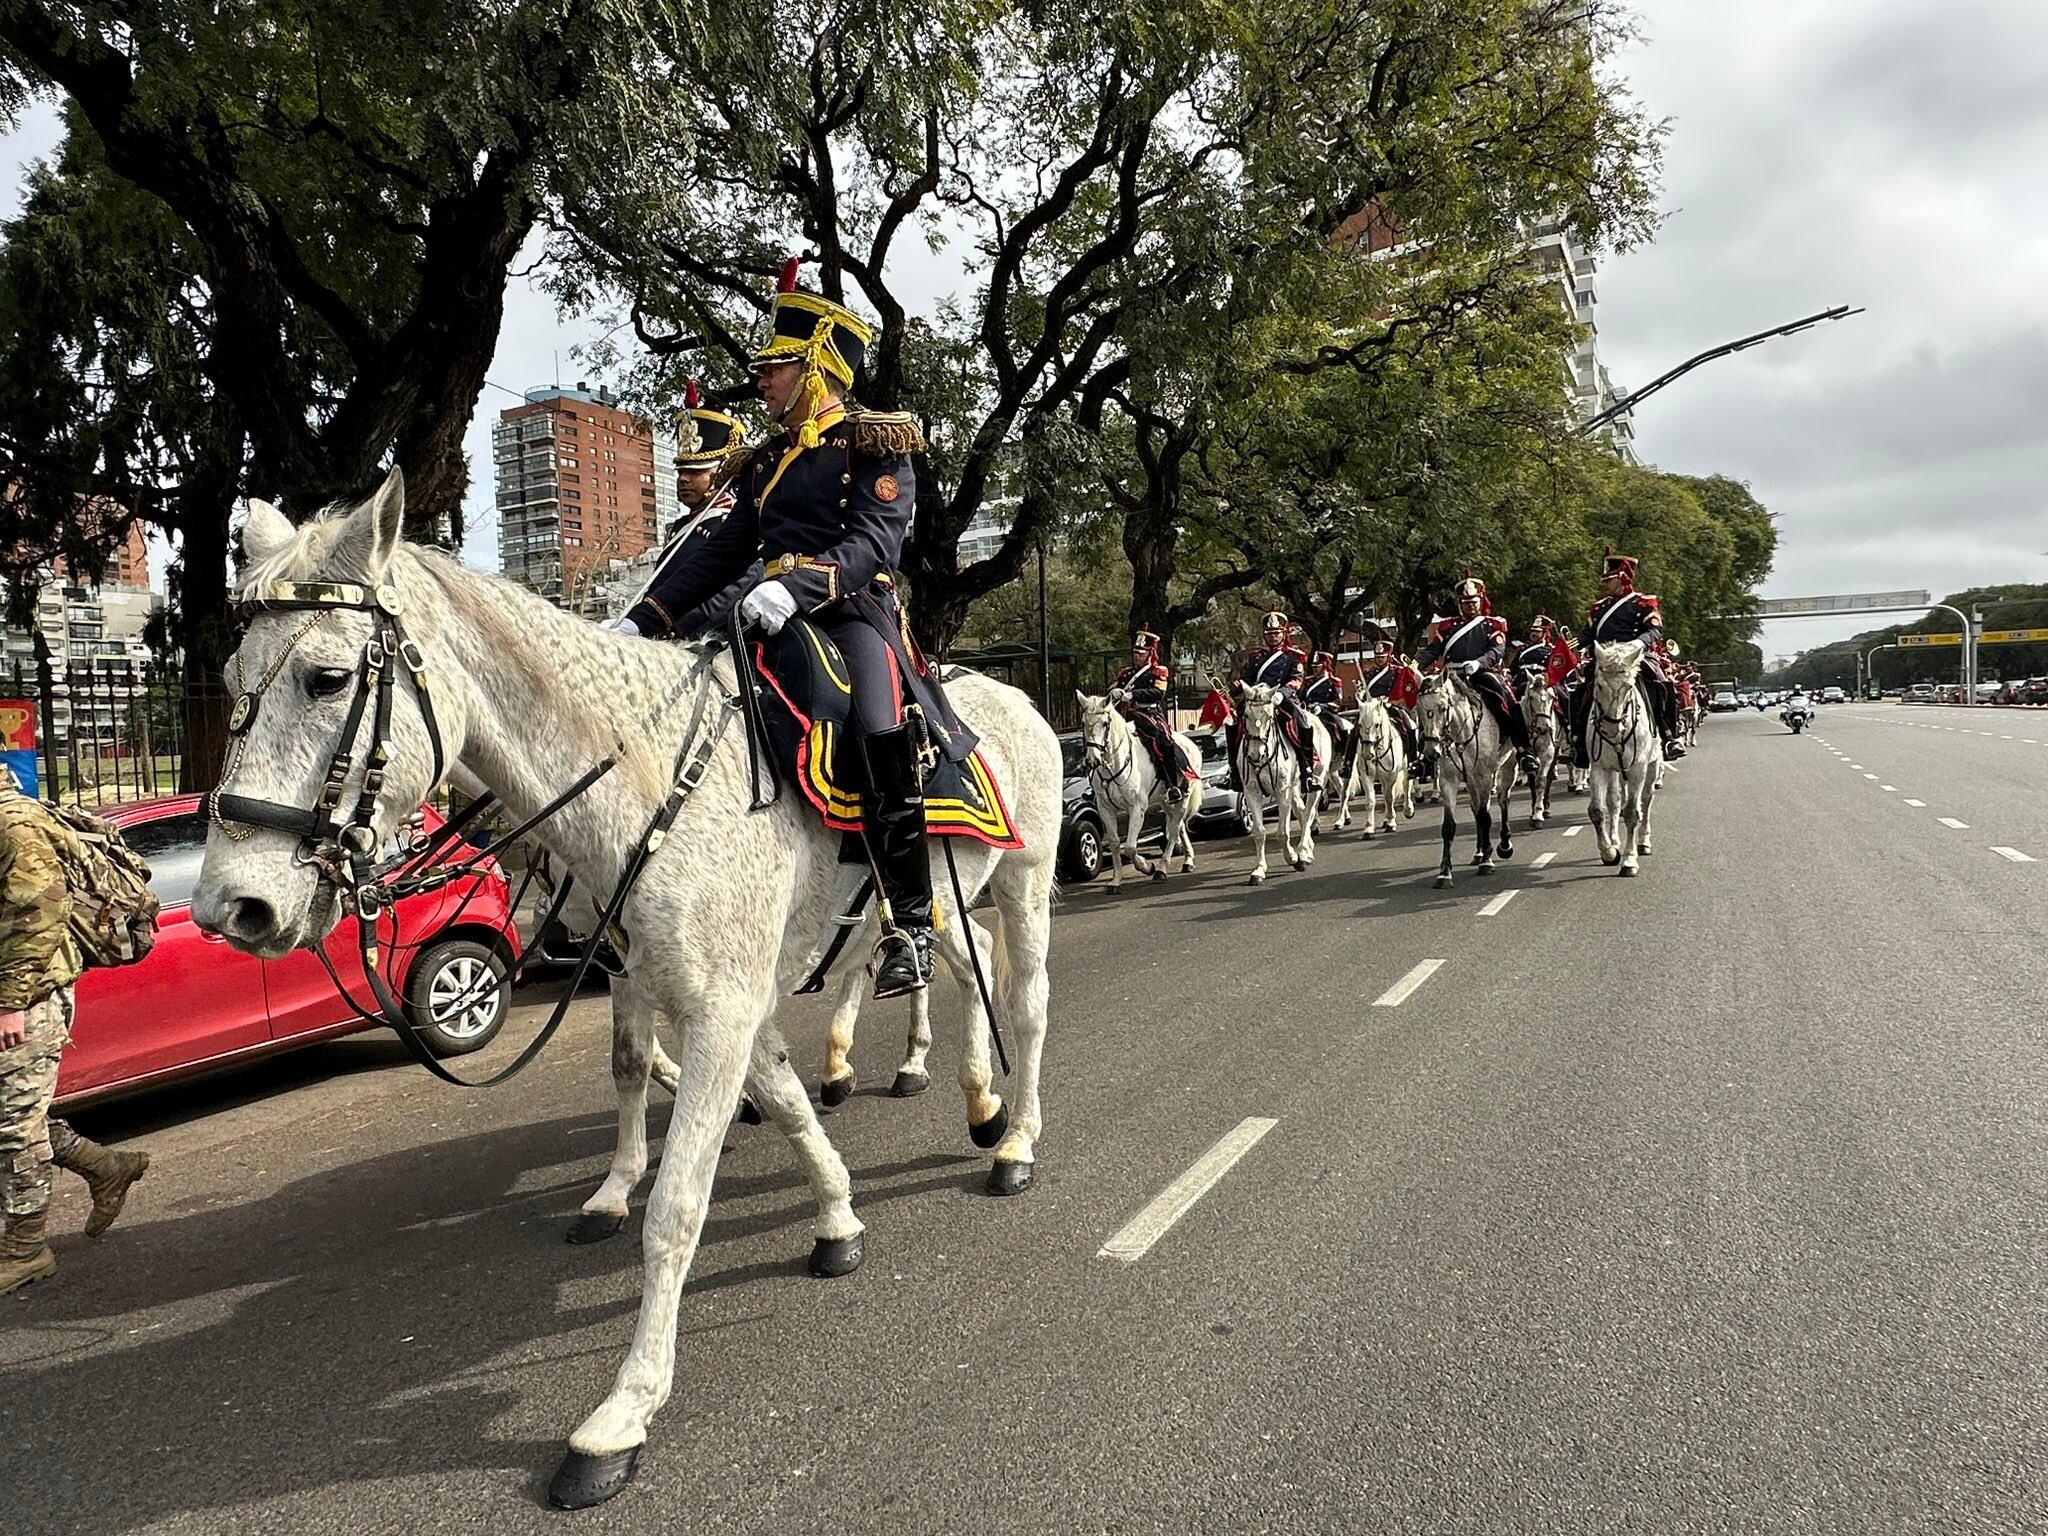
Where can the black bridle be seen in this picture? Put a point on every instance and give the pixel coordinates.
(342, 846)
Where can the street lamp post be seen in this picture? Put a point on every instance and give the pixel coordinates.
(1869, 661)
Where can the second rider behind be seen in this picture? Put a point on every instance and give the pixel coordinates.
(1474, 646)
(824, 506)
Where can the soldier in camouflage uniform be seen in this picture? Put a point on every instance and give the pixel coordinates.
(39, 962)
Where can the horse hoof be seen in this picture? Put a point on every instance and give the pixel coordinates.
(1610, 863)
(595, 1226)
(1484, 869)
(749, 1113)
(1646, 850)
(991, 1130)
(1299, 864)
(909, 1085)
(1007, 1178)
(1366, 836)
(1158, 875)
(1442, 881)
(835, 1091)
(1506, 852)
(581, 1481)
(1628, 871)
(832, 1257)
(1255, 879)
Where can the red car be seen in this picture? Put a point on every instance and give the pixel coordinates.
(195, 1003)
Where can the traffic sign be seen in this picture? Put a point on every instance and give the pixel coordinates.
(2010, 636)
(1931, 639)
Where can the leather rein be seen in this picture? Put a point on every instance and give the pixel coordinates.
(342, 844)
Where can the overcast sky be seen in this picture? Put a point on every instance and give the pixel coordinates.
(1886, 153)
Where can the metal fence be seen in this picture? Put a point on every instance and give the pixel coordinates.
(107, 730)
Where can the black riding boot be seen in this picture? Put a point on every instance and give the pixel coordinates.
(896, 843)
(1581, 711)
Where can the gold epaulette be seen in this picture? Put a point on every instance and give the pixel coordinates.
(886, 432)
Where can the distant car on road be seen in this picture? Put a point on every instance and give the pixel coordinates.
(195, 1004)
(1833, 696)
(1920, 693)
(1723, 702)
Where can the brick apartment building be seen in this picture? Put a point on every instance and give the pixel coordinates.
(583, 486)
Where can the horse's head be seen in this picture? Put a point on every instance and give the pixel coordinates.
(1433, 710)
(1097, 713)
(317, 598)
(1616, 664)
(1372, 714)
(1260, 705)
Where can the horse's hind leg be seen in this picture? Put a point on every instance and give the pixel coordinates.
(1443, 874)
(1507, 816)
(837, 1084)
(1482, 825)
(1024, 896)
(635, 1053)
(1258, 821)
(774, 1085)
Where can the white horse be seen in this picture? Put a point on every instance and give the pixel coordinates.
(729, 908)
(1339, 780)
(1126, 785)
(1546, 736)
(1471, 752)
(1382, 765)
(1269, 774)
(1628, 756)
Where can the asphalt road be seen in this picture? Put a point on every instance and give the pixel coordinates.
(1711, 1201)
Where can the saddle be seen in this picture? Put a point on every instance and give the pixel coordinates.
(804, 694)
(1290, 727)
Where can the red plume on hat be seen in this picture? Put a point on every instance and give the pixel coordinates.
(787, 282)
(692, 396)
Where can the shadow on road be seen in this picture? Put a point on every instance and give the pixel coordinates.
(383, 1319)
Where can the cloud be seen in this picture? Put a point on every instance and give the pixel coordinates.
(1875, 152)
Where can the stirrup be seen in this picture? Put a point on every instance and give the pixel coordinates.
(903, 962)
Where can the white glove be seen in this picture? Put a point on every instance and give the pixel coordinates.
(624, 626)
(768, 607)
(1469, 668)
(1118, 696)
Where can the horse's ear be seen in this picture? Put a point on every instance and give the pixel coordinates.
(1078, 694)
(370, 535)
(264, 531)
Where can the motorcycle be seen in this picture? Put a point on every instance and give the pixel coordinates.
(1798, 716)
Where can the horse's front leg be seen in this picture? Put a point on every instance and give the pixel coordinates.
(711, 1066)
(836, 1087)
(914, 1076)
(1134, 829)
(1505, 791)
(1631, 820)
(1113, 828)
(633, 1052)
(1371, 787)
(1482, 828)
(1601, 810)
(1258, 821)
(1449, 797)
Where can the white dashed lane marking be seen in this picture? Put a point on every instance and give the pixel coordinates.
(1403, 989)
(1493, 907)
(1136, 1237)
(2015, 855)
(1870, 775)
(1950, 821)
(1890, 789)
(1921, 803)
(1543, 859)
(1574, 831)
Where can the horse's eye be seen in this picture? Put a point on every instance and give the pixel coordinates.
(326, 682)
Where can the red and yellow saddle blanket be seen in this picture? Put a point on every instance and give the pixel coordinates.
(806, 700)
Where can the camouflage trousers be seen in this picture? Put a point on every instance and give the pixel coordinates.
(28, 1081)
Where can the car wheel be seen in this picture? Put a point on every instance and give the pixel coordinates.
(457, 996)
(1084, 854)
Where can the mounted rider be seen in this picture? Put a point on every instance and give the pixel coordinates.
(1394, 680)
(1474, 645)
(1323, 695)
(824, 506)
(1623, 614)
(1140, 693)
(1281, 666)
(711, 449)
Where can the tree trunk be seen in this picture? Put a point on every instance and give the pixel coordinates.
(205, 629)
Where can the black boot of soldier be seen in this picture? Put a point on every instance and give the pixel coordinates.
(1581, 718)
(896, 842)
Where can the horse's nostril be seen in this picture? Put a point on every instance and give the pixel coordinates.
(249, 918)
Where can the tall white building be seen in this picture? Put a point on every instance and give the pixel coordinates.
(1561, 261)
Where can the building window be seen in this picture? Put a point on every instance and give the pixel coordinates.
(572, 495)
(572, 479)
(568, 463)
(570, 522)
(569, 543)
